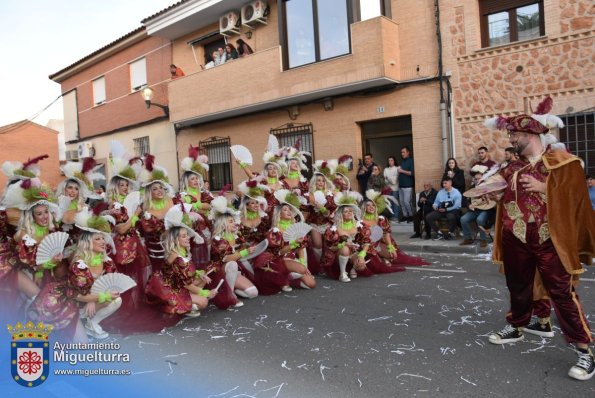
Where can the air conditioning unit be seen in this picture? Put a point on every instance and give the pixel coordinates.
(85, 150)
(254, 12)
(72, 154)
(229, 24)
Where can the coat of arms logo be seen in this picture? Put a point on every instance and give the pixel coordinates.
(30, 353)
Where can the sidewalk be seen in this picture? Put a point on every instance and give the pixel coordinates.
(402, 232)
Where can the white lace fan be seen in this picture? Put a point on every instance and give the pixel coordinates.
(112, 282)
(376, 233)
(320, 198)
(260, 248)
(50, 246)
(241, 153)
(296, 231)
(132, 202)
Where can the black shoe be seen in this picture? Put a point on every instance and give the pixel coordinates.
(415, 235)
(585, 365)
(409, 220)
(439, 236)
(509, 334)
(539, 329)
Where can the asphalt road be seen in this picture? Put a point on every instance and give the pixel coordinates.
(420, 333)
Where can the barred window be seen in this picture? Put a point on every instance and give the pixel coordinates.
(291, 133)
(579, 137)
(219, 154)
(141, 146)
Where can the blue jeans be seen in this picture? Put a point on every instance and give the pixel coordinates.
(481, 217)
(405, 199)
(395, 205)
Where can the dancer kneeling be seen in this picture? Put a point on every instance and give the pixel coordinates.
(178, 288)
(63, 303)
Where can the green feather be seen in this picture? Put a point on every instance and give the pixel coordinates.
(159, 175)
(100, 224)
(342, 169)
(129, 173)
(293, 200)
(24, 173)
(253, 192)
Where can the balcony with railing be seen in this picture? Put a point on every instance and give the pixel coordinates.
(258, 82)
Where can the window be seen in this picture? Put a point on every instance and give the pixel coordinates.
(99, 91)
(289, 135)
(315, 30)
(141, 146)
(578, 136)
(138, 74)
(368, 9)
(507, 21)
(218, 152)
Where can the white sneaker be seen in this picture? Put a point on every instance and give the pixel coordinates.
(287, 288)
(192, 314)
(353, 273)
(239, 304)
(343, 277)
(95, 331)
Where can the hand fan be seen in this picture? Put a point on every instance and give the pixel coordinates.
(50, 246)
(376, 233)
(296, 231)
(132, 202)
(319, 198)
(242, 154)
(260, 248)
(112, 282)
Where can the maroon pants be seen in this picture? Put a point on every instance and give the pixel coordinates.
(520, 263)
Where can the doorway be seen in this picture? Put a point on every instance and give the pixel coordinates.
(386, 137)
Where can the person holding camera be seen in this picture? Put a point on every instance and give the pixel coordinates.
(364, 171)
(447, 205)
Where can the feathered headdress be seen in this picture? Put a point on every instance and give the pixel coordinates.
(85, 173)
(295, 201)
(154, 173)
(177, 216)
(20, 171)
(254, 189)
(93, 221)
(349, 198)
(326, 168)
(539, 123)
(340, 178)
(28, 193)
(221, 207)
(295, 153)
(275, 155)
(195, 162)
(381, 201)
(122, 165)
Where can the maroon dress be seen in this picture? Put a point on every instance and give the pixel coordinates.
(166, 290)
(202, 226)
(151, 229)
(320, 221)
(10, 305)
(220, 248)
(56, 303)
(330, 259)
(270, 273)
(402, 257)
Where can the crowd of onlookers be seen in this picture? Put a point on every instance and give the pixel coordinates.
(227, 54)
(443, 213)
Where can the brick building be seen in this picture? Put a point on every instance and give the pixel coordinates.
(24, 140)
(102, 100)
(357, 76)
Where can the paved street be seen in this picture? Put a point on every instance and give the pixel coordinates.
(417, 333)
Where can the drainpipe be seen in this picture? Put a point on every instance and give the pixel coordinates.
(443, 107)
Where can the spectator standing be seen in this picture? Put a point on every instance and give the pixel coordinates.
(406, 182)
(175, 71)
(452, 170)
(391, 175)
(446, 205)
(376, 180)
(231, 52)
(484, 159)
(243, 48)
(363, 173)
(426, 200)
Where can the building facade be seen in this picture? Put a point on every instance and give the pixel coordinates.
(102, 101)
(25, 140)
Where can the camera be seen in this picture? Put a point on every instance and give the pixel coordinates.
(446, 204)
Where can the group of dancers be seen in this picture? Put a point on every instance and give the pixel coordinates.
(276, 232)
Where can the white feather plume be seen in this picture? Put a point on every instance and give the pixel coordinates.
(186, 163)
(491, 123)
(117, 149)
(219, 204)
(273, 144)
(372, 194)
(8, 167)
(70, 168)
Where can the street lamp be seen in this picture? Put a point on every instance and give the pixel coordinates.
(147, 94)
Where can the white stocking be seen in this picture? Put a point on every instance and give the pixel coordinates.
(231, 273)
(317, 252)
(343, 260)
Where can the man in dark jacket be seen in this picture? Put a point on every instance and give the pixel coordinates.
(426, 199)
(363, 173)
